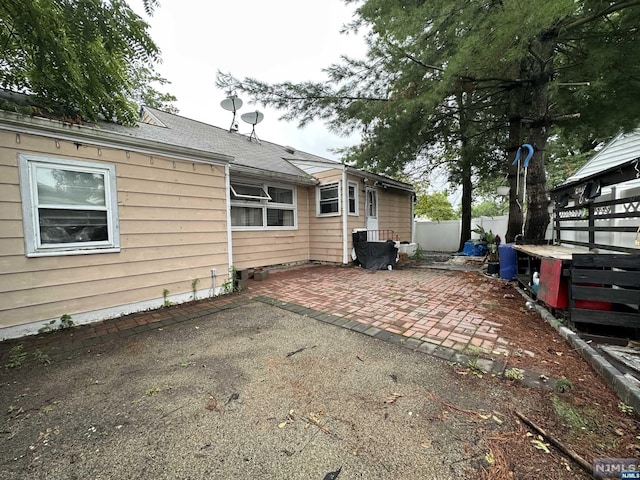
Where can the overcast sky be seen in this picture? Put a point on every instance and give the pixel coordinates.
(274, 41)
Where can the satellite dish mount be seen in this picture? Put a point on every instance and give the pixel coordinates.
(232, 104)
(253, 118)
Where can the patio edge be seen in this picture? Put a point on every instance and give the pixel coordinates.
(626, 391)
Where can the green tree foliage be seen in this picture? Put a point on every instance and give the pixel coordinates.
(566, 153)
(434, 206)
(82, 58)
(475, 79)
(490, 208)
(144, 80)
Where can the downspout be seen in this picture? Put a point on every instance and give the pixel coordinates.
(227, 183)
(413, 220)
(345, 212)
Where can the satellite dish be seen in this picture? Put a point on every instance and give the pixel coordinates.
(253, 118)
(232, 104)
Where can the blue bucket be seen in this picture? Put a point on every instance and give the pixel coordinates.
(508, 261)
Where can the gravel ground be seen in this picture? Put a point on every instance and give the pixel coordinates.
(251, 392)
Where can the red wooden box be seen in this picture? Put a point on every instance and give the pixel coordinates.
(553, 289)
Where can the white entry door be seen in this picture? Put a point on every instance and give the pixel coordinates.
(371, 209)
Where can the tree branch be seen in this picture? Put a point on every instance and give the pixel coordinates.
(611, 9)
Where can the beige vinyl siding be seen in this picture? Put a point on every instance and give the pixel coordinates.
(325, 232)
(259, 248)
(359, 221)
(172, 230)
(394, 212)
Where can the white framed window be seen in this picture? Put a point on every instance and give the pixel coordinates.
(249, 192)
(328, 200)
(69, 207)
(261, 206)
(352, 188)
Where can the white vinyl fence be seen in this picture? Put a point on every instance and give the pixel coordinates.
(445, 236)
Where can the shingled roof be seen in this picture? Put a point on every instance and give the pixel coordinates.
(249, 156)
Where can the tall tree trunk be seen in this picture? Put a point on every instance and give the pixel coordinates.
(517, 99)
(466, 160)
(467, 199)
(537, 199)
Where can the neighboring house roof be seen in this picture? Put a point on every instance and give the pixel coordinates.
(625, 147)
(618, 162)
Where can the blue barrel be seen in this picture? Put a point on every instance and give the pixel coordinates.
(508, 261)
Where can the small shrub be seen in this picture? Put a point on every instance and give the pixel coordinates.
(231, 285)
(419, 253)
(626, 409)
(17, 357)
(562, 385)
(165, 296)
(194, 285)
(64, 322)
(41, 357)
(152, 391)
(514, 374)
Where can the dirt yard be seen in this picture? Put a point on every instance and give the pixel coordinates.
(258, 392)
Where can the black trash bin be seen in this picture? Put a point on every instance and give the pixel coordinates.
(359, 236)
(376, 255)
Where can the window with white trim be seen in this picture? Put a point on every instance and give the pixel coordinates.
(259, 206)
(69, 207)
(352, 188)
(328, 197)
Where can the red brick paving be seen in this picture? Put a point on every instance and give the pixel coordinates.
(436, 306)
(440, 307)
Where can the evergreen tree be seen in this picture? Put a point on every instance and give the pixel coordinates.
(470, 76)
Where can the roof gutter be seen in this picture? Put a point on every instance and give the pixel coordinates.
(384, 181)
(74, 133)
(622, 172)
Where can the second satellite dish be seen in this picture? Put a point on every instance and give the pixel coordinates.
(253, 118)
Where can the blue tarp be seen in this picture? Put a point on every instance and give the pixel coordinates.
(472, 250)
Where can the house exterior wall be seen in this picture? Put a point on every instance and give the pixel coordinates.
(173, 229)
(258, 248)
(325, 232)
(394, 212)
(356, 222)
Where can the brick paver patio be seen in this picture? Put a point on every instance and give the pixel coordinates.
(439, 308)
